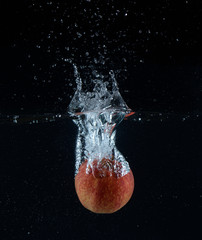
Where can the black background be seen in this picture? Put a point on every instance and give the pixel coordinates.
(154, 49)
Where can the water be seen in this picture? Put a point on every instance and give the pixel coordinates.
(37, 188)
(38, 166)
(141, 117)
(159, 71)
(97, 113)
(96, 139)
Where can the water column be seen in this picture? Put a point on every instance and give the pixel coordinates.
(96, 138)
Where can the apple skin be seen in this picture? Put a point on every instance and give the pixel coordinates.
(101, 188)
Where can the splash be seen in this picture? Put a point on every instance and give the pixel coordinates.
(97, 114)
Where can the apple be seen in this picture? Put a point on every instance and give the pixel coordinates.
(101, 187)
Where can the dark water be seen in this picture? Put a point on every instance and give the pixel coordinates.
(155, 52)
(38, 199)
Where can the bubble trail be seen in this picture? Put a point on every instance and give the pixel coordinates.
(104, 181)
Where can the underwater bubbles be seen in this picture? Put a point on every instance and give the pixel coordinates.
(103, 179)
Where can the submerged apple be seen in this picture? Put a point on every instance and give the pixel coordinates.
(101, 187)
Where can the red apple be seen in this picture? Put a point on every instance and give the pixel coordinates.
(101, 187)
